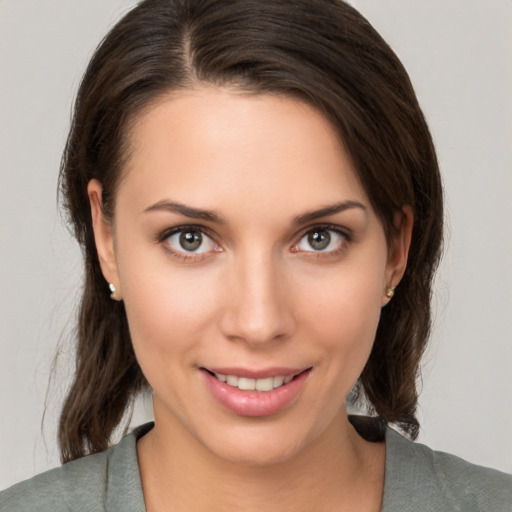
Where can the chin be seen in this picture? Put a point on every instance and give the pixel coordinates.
(263, 441)
(257, 451)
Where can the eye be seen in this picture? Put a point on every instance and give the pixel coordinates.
(321, 240)
(190, 241)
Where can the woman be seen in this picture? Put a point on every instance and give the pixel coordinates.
(259, 203)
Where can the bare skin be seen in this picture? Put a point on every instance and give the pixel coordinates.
(350, 479)
(242, 239)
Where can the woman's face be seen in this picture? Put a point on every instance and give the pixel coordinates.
(248, 256)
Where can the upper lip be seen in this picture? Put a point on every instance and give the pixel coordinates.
(249, 373)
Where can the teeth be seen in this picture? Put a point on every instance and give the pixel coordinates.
(278, 381)
(232, 380)
(265, 384)
(246, 384)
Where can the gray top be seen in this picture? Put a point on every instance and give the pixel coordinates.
(416, 479)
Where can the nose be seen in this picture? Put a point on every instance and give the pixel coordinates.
(258, 309)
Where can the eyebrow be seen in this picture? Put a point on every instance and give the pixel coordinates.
(210, 216)
(326, 211)
(187, 211)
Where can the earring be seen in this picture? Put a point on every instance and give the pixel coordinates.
(390, 292)
(113, 290)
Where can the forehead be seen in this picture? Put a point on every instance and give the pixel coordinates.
(218, 147)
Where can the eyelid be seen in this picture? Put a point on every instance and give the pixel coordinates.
(166, 233)
(346, 232)
(182, 254)
(340, 230)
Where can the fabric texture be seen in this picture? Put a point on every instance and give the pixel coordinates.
(416, 479)
(420, 479)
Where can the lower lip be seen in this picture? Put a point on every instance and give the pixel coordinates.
(255, 403)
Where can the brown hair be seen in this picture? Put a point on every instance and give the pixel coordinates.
(321, 51)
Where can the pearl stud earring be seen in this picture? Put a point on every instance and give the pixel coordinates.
(390, 292)
(113, 290)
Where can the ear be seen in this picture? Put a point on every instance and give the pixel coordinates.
(398, 250)
(103, 237)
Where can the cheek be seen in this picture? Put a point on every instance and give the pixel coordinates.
(167, 307)
(344, 312)
(350, 298)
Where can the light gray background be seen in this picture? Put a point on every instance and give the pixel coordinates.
(458, 53)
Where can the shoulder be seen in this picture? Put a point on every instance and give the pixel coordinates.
(104, 481)
(439, 481)
(61, 489)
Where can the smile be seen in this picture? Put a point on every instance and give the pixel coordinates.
(255, 393)
(247, 384)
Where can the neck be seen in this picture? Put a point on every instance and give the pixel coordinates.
(338, 471)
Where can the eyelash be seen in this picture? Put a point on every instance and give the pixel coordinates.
(194, 257)
(344, 245)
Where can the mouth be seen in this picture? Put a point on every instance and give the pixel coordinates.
(255, 393)
(255, 384)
